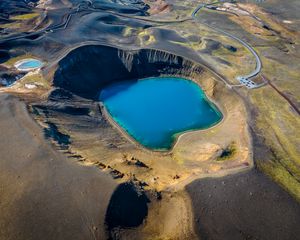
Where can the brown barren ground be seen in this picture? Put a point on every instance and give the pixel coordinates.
(43, 194)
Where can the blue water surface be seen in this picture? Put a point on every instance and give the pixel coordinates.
(154, 110)
(30, 63)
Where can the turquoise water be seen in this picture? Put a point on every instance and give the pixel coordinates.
(154, 110)
(31, 63)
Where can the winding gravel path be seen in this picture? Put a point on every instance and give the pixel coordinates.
(88, 5)
(243, 79)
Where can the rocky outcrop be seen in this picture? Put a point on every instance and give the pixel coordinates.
(86, 70)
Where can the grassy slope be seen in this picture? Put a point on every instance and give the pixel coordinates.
(275, 121)
(279, 126)
(27, 16)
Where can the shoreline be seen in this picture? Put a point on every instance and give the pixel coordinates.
(177, 136)
(212, 104)
(221, 108)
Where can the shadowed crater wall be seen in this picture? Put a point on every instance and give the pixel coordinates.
(4, 56)
(127, 208)
(86, 70)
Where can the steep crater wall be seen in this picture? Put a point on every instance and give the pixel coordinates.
(86, 70)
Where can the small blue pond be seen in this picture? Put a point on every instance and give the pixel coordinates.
(29, 64)
(154, 110)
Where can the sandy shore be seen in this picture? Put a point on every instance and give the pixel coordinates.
(44, 195)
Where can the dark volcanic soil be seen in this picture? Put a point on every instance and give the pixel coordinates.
(44, 195)
(244, 206)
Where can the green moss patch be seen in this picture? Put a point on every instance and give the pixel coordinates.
(228, 152)
(27, 16)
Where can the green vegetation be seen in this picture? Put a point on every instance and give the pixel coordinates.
(281, 135)
(282, 176)
(228, 152)
(27, 16)
(242, 62)
(19, 21)
(129, 31)
(13, 60)
(13, 25)
(36, 79)
(146, 37)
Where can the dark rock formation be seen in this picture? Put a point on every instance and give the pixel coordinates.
(86, 70)
(7, 78)
(52, 132)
